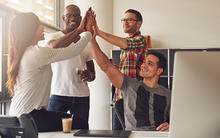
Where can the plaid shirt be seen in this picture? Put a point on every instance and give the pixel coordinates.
(131, 59)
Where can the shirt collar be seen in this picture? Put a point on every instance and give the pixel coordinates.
(135, 34)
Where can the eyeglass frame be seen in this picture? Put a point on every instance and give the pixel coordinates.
(68, 15)
(128, 20)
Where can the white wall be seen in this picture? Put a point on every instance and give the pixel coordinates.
(171, 24)
(100, 89)
(175, 23)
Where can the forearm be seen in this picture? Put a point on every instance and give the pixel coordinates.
(115, 40)
(114, 75)
(51, 55)
(99, 56)
(65, 40)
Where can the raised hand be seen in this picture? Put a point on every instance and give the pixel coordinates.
(89, 22)
(95, 26)
(82, 26)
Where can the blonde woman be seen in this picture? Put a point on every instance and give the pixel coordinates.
(29, 71)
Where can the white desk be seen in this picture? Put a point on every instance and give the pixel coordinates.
(59, 134)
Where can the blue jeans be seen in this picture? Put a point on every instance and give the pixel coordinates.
(116, 122)
(78, 106)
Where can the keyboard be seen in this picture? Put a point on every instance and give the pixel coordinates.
(103, 133)
(151, 133)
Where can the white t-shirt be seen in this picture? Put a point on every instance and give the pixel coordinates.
(32, 87)
(65, 81)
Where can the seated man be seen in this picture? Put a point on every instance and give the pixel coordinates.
(146, 104)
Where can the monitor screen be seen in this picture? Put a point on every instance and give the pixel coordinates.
(195, 111)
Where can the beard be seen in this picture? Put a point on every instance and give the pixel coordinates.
(131, 30)
(70, 27)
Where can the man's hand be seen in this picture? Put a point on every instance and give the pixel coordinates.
(86, 22)
(163, 127)
(81, 28)
(86, 75)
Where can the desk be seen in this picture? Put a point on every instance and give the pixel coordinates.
(59, 134)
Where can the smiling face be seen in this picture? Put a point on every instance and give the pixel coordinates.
(130, 23)
(72, 17)
(149, 69)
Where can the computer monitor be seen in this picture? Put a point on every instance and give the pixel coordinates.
(195, 101)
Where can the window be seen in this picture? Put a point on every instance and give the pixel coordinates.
(46, 10)
(49, 13)
(1, 53)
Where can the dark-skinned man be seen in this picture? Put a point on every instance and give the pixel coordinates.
(69, 90)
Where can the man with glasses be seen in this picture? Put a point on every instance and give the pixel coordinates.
(132, 47)
(69, 90)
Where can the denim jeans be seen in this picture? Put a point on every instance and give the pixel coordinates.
(78, 106)
(116, 122)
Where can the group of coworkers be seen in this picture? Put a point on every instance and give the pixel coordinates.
(42, 79)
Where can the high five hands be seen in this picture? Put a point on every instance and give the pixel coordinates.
(88, 22)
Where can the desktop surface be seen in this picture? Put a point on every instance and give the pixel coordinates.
(134, 134)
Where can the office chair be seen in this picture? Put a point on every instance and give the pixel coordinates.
(30, 128)
(10, 127)
(119, 109)
(22, 127)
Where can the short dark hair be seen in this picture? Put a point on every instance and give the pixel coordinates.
(73, 6)
(162, 60)
(137, 14)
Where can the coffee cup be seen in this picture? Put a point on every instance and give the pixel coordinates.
(67, 124)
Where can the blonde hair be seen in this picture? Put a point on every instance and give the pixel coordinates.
(23, 29)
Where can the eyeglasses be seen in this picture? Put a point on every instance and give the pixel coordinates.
(72, 15)
(128, 20)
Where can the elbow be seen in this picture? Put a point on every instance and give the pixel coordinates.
(124, 46)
